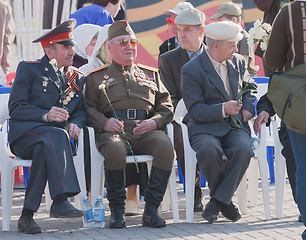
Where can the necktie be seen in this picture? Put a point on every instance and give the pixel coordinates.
(61, 78)
(224, 77)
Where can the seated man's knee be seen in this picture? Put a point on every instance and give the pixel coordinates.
(114, 154)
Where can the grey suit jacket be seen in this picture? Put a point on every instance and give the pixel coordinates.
(170, 66)
(204, 93)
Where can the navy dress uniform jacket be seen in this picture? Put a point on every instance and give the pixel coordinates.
(33, 94)
(35, 91)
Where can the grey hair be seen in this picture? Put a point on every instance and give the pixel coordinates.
(210, 42)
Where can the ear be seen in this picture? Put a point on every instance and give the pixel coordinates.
(49, 53)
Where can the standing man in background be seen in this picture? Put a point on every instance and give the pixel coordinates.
(190, 31)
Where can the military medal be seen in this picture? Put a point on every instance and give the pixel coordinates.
(68, 98)
(106, 77)
(65, 102)
(71, 94)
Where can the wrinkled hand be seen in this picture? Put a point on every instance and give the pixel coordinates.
(113, 125)
(246, 115)
(231, 107)
(145, 126)
(73, 130)
(57, 114)
(263, 116)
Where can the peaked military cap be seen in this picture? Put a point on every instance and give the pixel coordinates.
(61, 34)
(119, 28)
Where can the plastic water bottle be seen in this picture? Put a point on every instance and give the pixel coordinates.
(88, 218)
(99, 213)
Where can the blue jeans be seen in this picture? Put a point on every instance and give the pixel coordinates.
(298, 142)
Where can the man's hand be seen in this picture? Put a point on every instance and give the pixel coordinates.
(263, 116)
(113, 125)
(73, 130)
(246, 115)
(145, 126)
(57, 114)
(231, 107)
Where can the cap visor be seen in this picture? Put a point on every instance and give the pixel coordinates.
(70, 42)
(217, 15)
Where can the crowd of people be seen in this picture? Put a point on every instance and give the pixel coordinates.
(88, 76)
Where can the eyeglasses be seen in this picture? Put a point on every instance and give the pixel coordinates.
(124, 41)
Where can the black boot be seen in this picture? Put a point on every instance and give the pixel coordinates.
(114, 180)
(154, 195)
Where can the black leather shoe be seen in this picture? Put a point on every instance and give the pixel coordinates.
(64, 210)
(300, 218)
(198, 206)
(116, 219)
(211, 211)
(151, 217)
(28, 225)
(230, 211)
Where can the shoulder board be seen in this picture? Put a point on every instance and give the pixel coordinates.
(35, 62)
(98, 68)
(153, 69)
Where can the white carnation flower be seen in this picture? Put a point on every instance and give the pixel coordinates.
(53, 62)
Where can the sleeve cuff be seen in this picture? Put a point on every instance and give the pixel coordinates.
(45, 117)
(223, 112)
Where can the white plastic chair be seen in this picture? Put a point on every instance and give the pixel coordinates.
(97, 173)
(190, 166)
(8, 164)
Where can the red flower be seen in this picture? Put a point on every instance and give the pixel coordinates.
(170, 21)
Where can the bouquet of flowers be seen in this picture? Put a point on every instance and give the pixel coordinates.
(259, 33)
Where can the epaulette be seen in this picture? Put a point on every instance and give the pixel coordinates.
(98, 68)
(153, 69)
(36, 62)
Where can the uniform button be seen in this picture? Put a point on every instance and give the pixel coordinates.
(127, 79)
(129, 90)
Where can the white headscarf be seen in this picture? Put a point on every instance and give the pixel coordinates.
(83, 34)
(94, 61)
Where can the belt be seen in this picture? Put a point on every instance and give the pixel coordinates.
(130, 113)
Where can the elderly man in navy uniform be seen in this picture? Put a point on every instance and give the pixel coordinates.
(143, 106)
(45, 100)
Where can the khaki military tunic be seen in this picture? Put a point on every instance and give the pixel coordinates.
(129, 87)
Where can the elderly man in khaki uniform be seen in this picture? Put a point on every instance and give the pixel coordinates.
(143, 107)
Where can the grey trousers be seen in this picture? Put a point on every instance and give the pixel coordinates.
(223, 181)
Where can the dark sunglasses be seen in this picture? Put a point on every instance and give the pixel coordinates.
(123, 42)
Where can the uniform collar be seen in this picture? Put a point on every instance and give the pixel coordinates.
(121, 67)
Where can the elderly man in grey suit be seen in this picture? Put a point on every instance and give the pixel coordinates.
(190, 29)
(212, 84)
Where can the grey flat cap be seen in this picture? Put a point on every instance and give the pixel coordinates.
(181, 6)
(227, 8)
(224, 30)
(190, 17)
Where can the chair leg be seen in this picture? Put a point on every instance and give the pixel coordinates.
(174, 198)
(242, 194)
(6, 193)
(253, 182)
(265, 186)
(190, 183)
(48, 197)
